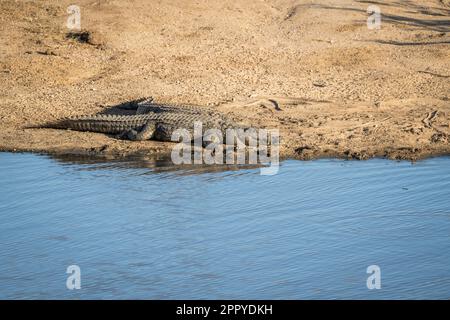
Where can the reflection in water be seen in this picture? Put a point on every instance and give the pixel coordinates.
(139, 229)
(159, 164)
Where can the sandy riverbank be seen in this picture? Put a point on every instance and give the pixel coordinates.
(363, 93)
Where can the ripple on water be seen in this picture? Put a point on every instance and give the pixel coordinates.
(144, 229)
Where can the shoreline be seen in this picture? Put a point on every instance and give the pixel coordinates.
(163, 153)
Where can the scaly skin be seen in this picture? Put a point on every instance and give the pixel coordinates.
(148, 105)
(152, 125)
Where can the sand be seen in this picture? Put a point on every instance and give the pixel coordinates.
(361, 92)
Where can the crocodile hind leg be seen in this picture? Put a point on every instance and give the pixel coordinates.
(145, 133)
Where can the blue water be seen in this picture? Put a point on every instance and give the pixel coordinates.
(309, 232)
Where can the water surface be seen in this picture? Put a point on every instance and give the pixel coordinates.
(309, 232)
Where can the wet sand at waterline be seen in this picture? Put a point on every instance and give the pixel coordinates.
(361, 93)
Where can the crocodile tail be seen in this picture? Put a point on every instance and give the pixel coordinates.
(111, 124)
(59, 124)
(67, 123)
(83, 123)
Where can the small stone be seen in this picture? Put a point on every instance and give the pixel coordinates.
(319, 83)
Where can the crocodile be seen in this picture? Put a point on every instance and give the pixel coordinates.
(146, 105)
(152, 122)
